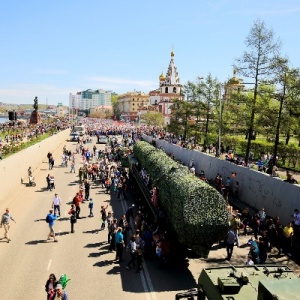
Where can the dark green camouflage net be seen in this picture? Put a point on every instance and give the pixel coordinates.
(195, 210)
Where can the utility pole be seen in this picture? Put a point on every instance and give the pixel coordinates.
(220, 121)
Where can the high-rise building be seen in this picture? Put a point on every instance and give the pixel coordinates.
(88, 99)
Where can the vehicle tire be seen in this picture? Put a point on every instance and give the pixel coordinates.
(33, 183)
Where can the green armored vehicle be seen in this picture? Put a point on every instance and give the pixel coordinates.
(256, 282)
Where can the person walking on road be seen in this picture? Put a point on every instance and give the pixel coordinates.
(50, 286)
(103, 216)
(29, 171)
(119, 244)
(139, 260)
(77, 199)
(51, 218)
(91, 206)
(49, 155)
(87, 187)
(73, 220)
(5, 220)
(60, 294)
(132, 251)
(56, 204)
(110, 220)
(125, 227)
(112, 231)
(230, 243)
(72, 167)
(51, 163)
(48, 180)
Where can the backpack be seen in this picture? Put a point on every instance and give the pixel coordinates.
(48, 219)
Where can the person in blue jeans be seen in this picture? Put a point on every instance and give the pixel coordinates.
(91, 205)
(119, 244)
(51, 218)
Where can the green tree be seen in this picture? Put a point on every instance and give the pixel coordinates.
(235, 113)
(153, 118)
(209, 91)
(191, 92)
(180, 123)
(114, 103)
(257, 64)
(287, 91)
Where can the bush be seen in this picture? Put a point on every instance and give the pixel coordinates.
(196, 212)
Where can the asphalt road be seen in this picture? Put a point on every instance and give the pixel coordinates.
(28, 259)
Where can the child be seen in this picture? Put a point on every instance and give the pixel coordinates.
(72, 166)
(91, 205)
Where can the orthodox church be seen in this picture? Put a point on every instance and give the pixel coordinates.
(169, 89)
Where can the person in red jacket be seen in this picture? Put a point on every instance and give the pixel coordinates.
(77, 200)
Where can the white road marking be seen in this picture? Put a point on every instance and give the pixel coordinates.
(148, 279)
(49, 264)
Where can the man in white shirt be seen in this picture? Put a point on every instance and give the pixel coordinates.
(56, 204)
(6, 217)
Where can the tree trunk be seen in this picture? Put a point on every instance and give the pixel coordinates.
(287, 138)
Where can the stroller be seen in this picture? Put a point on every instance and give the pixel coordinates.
(51, 183)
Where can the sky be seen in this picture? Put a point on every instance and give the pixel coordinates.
(50, 49)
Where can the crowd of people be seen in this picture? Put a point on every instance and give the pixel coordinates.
(267, 233)
(134, 232)
(21, 131)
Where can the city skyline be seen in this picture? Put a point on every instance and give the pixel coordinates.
(54, 49)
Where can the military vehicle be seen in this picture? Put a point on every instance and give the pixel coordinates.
(255, 282)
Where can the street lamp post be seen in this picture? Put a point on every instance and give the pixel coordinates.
(220, 120)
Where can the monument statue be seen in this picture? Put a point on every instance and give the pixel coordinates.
(36, 104)
(35, 117)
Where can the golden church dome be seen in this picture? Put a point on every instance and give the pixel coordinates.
(172, 53)
(234, 80)
(162, 76)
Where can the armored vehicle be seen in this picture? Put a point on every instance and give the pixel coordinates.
(256, 282)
